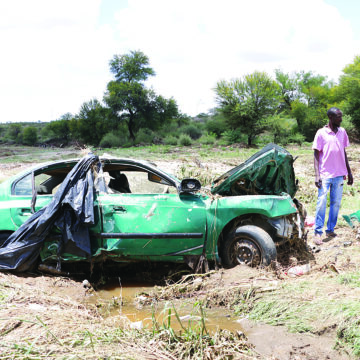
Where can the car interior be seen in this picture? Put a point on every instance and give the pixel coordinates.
(118, 178)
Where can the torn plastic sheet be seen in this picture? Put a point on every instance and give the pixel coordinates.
(71, 210)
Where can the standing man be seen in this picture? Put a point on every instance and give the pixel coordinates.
(331, 168)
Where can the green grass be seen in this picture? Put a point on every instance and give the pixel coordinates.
(351, 279)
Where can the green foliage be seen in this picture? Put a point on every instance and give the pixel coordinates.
(264, 139)
(131, 68)
(93, 122)
(296, 138)
(170, 129)
(306, 98)
(315, 89)
(58, 129)
(131, 101)
(299, 111)
(289, 89)
(14, 132)
(207, 139)
(144, 136)
(246, 102)
(170, 140)
(185, 140)
(192, 130)
(349, 91)
(29, 136)
(309, 119)
(280, 126)
(315, 119)
(112, 140)
(234, 137)
(216, 125)
(349, 126)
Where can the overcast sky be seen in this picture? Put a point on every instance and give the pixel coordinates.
(55, 54)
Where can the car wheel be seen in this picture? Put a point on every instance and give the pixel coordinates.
(249, 245)
(3, 236)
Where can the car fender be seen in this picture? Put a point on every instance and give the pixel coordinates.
(223, 210)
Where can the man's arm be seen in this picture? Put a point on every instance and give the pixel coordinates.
(318, 182)
(350, 177)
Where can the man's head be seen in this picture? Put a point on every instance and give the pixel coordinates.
(335, 116)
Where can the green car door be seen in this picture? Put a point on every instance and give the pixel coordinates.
(21, 197)
(155, 226)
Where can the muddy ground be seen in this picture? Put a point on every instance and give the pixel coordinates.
(44, 316)
(50, 315)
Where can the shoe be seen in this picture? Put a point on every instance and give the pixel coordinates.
(331, 234)
(317, 239)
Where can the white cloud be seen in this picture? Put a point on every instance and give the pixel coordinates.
(54, 58)
(55, 54)
(196, 43)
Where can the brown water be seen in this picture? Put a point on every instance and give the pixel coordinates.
(269, 341)
(126, 299)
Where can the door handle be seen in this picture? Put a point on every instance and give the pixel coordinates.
(119, 209)
(25, 212)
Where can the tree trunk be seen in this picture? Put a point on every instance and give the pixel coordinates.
(131, 125)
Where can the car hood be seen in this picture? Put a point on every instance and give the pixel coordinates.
(270, 171)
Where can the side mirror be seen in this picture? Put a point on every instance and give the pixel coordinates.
(189, 185)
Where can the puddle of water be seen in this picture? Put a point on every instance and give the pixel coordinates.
(126, 294)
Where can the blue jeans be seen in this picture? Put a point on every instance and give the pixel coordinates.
(335, 185)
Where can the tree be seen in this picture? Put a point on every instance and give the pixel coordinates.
(14, 132)
(93, 122)
(130, 100)
(59, 129)
(315, 89)
(131, 68)
(349, 91)
(281, 127)
(246, 102)
(29, 136)
(289, 88)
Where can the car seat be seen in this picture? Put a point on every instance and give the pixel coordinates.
(119, 182)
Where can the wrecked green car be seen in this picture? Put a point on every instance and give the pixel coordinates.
(142, 213)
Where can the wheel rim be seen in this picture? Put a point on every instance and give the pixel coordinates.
(246, 252)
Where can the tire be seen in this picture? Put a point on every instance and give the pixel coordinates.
(249, 245)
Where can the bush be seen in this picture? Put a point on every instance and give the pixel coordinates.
(191, 130)
(234, 136)
(144, 136)
(349, 126)
(216, 126)
(170, 140)
(112, 140)
(169, 129)
(207, 139)
(29, 136)
(263, 139)
(296, 138)
(185, 140)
